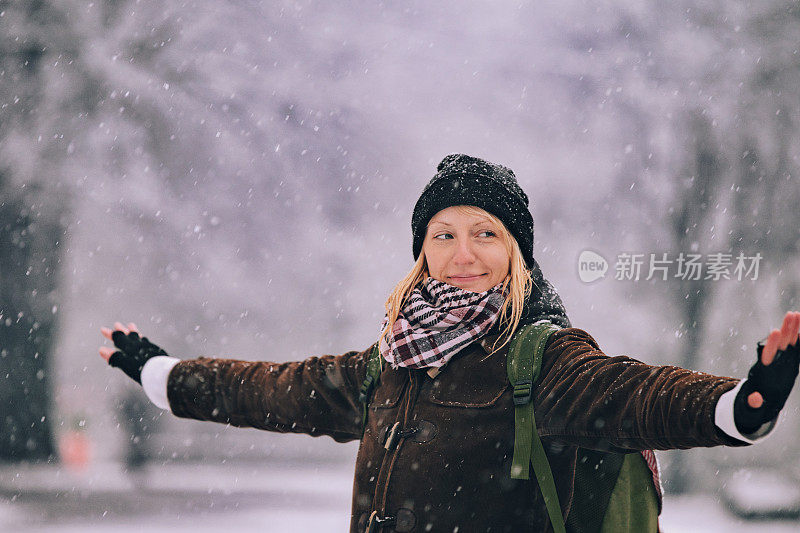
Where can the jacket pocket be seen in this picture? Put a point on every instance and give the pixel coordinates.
(473, 379)
(450, 393)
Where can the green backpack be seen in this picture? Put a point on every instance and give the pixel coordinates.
(613, 492)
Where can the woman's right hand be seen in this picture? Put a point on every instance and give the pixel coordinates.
(770, 380)
(132, 351)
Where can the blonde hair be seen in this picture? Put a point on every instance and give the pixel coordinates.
(517, 285)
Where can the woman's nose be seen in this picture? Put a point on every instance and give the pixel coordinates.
(464, 253)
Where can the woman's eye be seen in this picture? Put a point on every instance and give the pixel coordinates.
(443, 236)
(487, 233)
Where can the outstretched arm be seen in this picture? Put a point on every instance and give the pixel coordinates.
(318, 396)
(596, 401)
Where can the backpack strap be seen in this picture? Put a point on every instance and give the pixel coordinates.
(523, 363)
(374, 368)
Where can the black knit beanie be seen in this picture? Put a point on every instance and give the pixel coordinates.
(464, 180)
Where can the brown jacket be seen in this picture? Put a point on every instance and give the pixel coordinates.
(449, 467)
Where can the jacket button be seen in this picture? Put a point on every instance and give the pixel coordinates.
(425, 431)
(382, 434)
(405, 520)
(392, 437)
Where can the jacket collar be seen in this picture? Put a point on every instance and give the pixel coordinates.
(488, 341)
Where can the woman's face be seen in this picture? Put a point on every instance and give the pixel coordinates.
(465, 250)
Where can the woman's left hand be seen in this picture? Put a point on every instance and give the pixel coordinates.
(105, 351)
(132, 351)
(770, 380)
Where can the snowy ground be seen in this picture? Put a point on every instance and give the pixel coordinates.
(244, 498)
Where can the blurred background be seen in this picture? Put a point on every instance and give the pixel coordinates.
(238, 178)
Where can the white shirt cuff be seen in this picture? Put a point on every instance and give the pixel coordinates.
(723, 418)
(155, 374)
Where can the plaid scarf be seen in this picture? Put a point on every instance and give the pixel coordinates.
(436, 322)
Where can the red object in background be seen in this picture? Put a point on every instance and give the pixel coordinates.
(75, 448)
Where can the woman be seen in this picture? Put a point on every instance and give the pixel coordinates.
(438, 437)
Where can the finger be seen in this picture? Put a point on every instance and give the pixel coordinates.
(790, 329)
(105, 352)
(791, 334)
(771, 347)
(106, 332)
(795, 329)
(786, 330)
(755, 400)
(132, 327)
(121, 327)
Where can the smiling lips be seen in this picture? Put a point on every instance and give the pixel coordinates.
(467, 278)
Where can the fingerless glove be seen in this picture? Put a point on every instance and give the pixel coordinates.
(132, 353)
(773, 381)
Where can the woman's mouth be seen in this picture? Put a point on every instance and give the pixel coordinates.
(467, 278)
